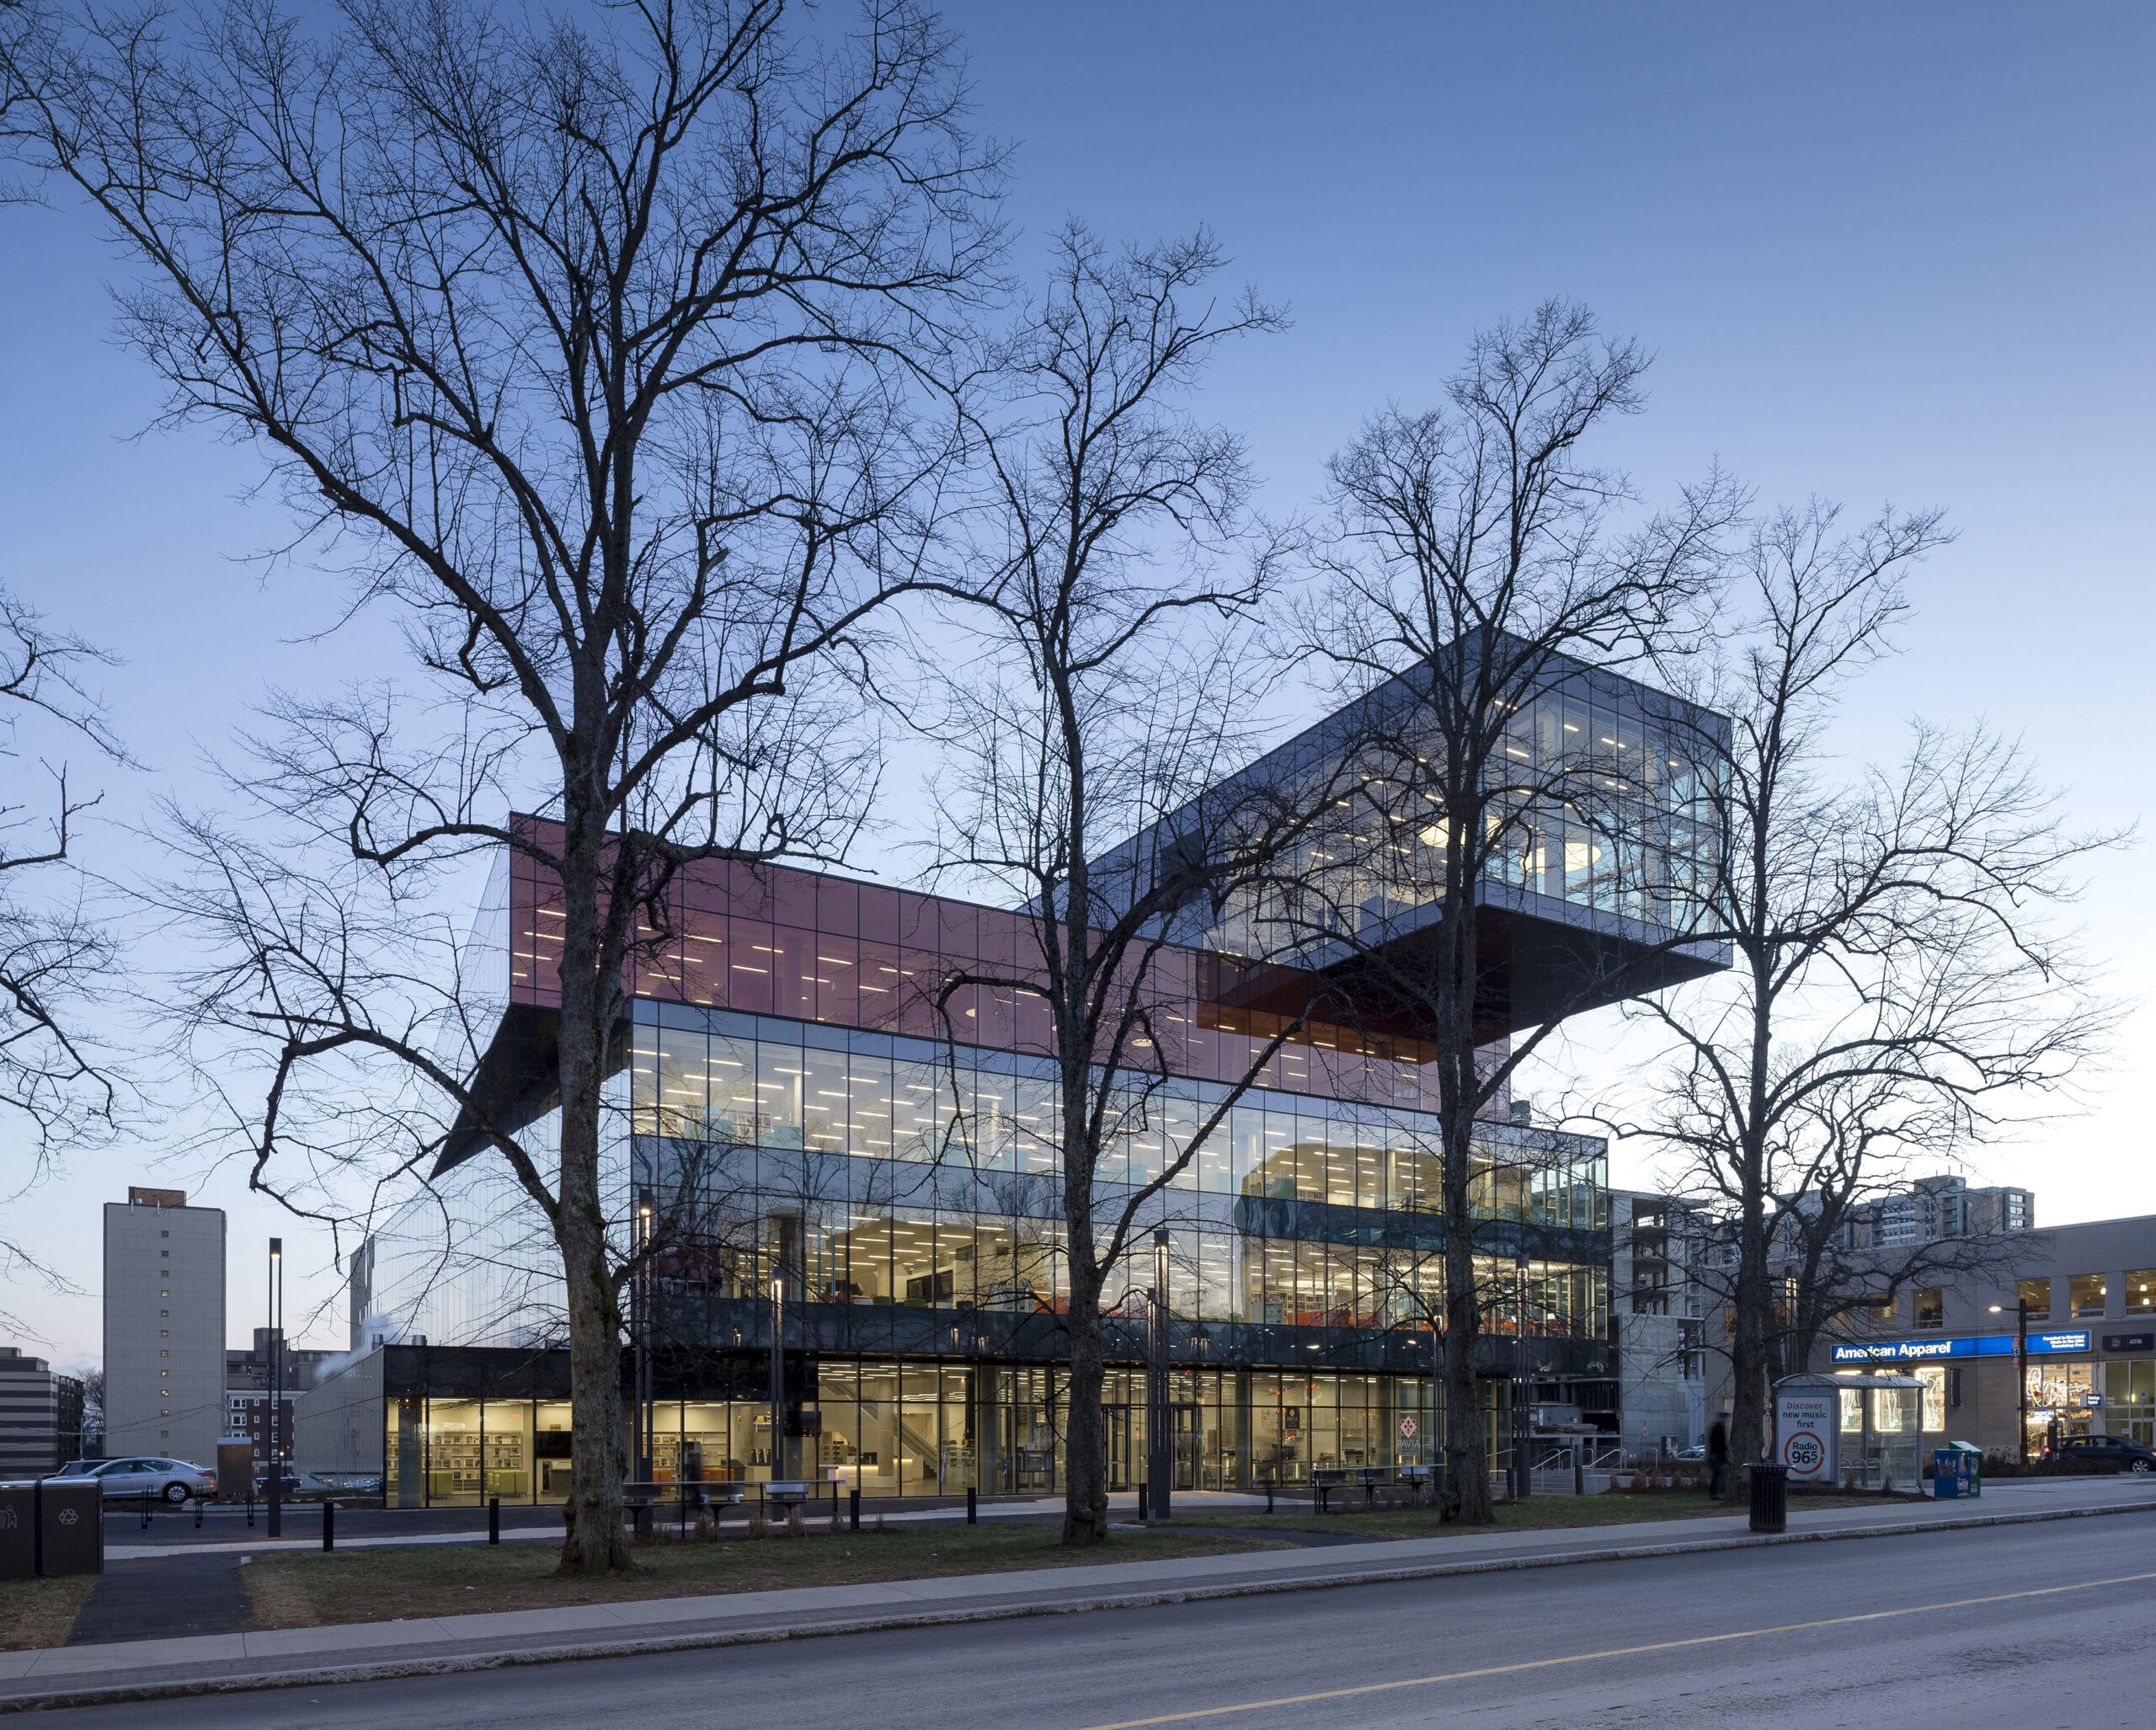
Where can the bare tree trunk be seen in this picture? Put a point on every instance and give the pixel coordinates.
(1749, 1350)
(1467, 1475)
(595, 1543)
(1086, 1455)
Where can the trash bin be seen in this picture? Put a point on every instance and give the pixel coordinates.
(18, 1530)
(71, 1526)
(1769, 1497)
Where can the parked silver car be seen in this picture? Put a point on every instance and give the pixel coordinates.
(174, 1479)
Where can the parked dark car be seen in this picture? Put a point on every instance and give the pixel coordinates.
(2107, 1450)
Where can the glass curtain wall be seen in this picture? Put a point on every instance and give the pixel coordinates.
(845, 1140)
(892, 1429)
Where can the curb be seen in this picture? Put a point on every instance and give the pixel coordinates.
(390, 1669)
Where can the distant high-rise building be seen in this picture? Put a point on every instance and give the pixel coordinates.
(1935, 1209)
(164, 1327)
(40, 1416)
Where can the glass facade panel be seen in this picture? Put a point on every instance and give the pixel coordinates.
(454, 1439)
(554, 1475)
(2088, 1292)
(506, 1449)
(2141, 1291)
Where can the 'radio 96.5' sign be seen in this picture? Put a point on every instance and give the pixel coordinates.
(1807, 1430)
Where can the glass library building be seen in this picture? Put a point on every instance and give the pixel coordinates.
(788, 1082)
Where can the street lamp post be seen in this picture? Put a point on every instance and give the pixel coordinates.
(2020, 1369)
(1160, 1459)
(276, 1384)
(778, 1377)
(640, 1327)
(1520, 1480)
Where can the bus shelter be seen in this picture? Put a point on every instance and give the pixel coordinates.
(1859, 1430)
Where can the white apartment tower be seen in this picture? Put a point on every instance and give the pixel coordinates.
(164, 1327)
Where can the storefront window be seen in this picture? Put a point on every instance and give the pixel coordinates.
(2129, 1401)
(2089, 1293)
(1931, 1307)
(2141, 1291)
(506, 1428)
(2059, 1395)
(1934, 1378)
(453, 1453)
(2036, 1294)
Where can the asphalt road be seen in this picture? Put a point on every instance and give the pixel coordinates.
(2015, 1627)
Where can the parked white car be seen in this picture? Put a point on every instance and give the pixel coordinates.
(174, 1479)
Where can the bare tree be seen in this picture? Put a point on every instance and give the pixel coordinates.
(579, 342)
(1104, 691)
(1473, 568)
(1897, 993)
(55, 953)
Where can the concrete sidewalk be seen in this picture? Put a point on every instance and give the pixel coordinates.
(367, 1651)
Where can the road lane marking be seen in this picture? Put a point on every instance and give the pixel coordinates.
(1582, 1657)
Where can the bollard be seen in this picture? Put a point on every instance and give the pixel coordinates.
(853, 1508)
(1268, 1495)
(329, 1525)
(1141, 1504)
(1579, 1471)
(494, 1519)
(250, 1506)
(973, 1515)
(198, 1514)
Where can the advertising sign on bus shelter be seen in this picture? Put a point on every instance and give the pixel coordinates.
(1808, 1433)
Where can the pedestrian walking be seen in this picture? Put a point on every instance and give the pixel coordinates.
(1717, 1457)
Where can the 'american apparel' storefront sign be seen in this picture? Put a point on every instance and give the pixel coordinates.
(1987, 1345)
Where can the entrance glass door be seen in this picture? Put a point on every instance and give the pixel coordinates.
(1190, 1440)
(1116, 1420)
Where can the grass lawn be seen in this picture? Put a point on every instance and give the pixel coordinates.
(39, 1612)
(1538, 1512)
(301, 1589)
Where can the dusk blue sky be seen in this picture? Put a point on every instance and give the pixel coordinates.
(1882, 253)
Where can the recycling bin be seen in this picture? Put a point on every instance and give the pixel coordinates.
(70, 1525)
(18, 1530)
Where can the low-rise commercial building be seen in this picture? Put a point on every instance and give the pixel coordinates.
(2087, 1294)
